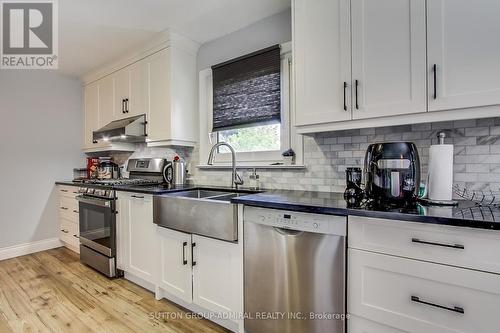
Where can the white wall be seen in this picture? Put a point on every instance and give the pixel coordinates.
(273, 30)
(40, 142)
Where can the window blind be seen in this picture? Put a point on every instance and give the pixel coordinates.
(247, 90)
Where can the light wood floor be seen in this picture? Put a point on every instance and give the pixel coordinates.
(51, 291)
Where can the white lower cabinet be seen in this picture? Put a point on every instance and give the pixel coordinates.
(69, 231)
(420, 297)
(201, 271)
(175, 264)
(137, 243)
(202, 274)
(216, 275)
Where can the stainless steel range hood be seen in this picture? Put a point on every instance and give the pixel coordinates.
(131, 129)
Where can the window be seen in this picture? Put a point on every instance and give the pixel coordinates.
(258, 140)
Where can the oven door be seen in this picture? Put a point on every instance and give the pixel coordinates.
(98, 224)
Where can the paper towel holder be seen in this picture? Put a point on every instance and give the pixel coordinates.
(441, 135)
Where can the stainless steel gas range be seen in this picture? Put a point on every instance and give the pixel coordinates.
(97, 213)
(97, 210)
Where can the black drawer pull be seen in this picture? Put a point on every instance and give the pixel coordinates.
(434, 72)
(184, 261)
(356, 83)
(137, 196)
(345, 98)
(64, 208)
(75, 211)
(193, 262)
(64, 190)
(76, 236)
(65, 231)
(457, 309)
(453, 246)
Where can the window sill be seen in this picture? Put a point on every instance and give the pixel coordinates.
(252, 166)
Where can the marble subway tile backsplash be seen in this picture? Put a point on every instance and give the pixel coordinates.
(327, 155)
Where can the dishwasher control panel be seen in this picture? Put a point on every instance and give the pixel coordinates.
(325, 224)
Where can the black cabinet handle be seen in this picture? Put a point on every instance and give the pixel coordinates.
(65, 231)
(454, 246)
(64, 208)
(75, 211)
(126, 105)
(76, 236)
(345, 102)
(434, 72)
(94, 141)
(64, 190)
(193, 262)
(356, 83)
(137, 196)
(184, 261)
(457, 309)
(123, 105)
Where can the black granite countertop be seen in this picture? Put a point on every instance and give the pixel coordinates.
(152, 189)
(466, 214)
(143, 189)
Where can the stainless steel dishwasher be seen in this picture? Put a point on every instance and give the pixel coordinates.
(294, 267)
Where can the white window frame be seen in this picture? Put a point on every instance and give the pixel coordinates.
(289, 136)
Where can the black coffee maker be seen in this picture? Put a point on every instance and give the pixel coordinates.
(392, 173)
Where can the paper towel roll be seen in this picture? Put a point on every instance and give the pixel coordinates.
(440, 181)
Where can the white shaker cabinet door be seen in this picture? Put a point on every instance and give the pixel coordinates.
(388, 52)
(217, 280)
(175, 275)
(138, 239)
(106, 100)
(463, 53)
(122, 92)
(322, 61)
(91, 108)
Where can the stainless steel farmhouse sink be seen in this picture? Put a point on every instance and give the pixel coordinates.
(205, 212)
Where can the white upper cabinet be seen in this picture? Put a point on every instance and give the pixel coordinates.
(158, 101)
(91, 105)
(122, 92)
(463, 45)
(171, 100)
(138, 89)
(388, 52)
(322, 59)
(159, 82)
(130, 91)
(106, 100)
(367, 63)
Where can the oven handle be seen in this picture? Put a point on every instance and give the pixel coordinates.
(94, 201)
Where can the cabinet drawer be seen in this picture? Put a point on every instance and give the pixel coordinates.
(417, 296)
(357, 324)
(69, 233)
(456, 246)
(68, 209)
(67, 191)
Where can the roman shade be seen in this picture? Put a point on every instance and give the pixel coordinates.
(247, 90)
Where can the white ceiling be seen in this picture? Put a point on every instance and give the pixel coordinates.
(94, 32)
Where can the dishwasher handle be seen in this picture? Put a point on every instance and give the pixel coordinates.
(288, 232)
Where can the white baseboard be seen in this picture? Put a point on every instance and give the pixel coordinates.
(28, 248)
